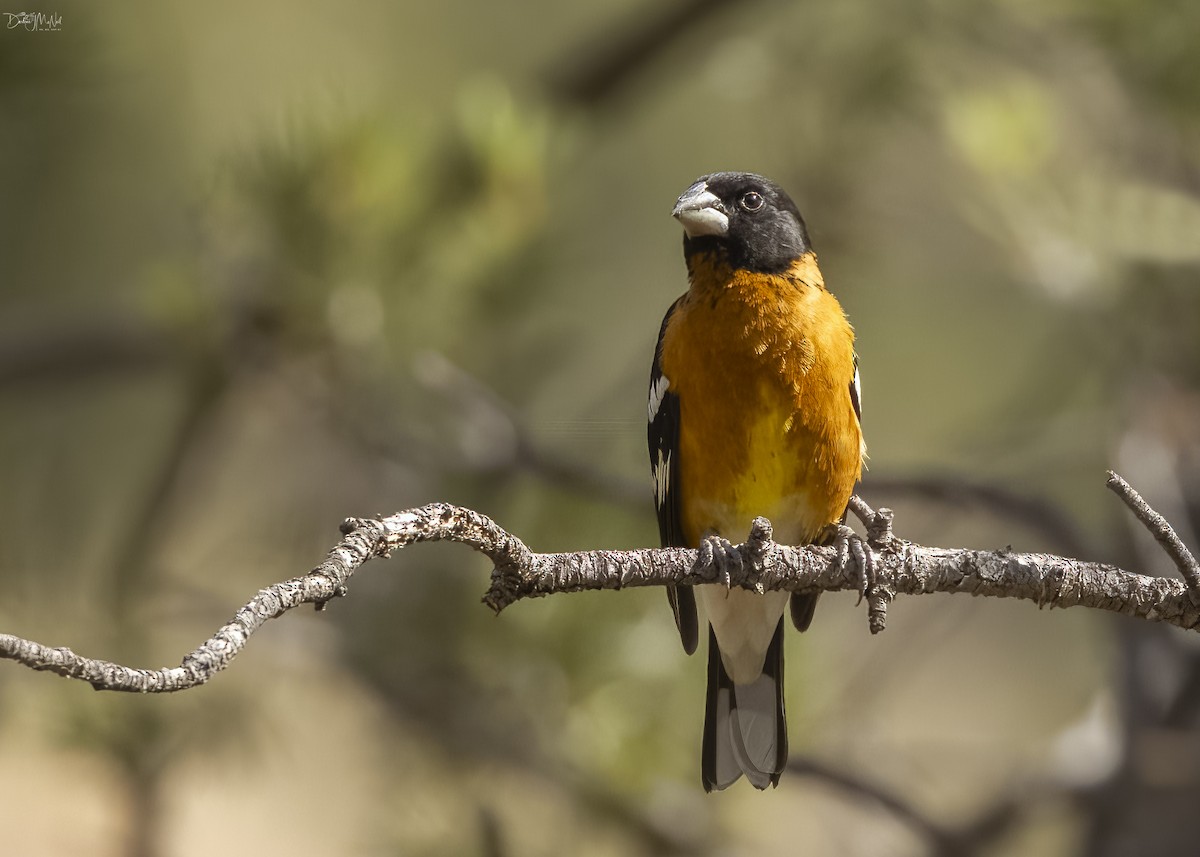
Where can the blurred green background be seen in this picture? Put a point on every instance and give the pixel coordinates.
(264, 266)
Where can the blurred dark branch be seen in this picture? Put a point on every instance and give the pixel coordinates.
(980, 835)
(206, 386)
(513, 445)
(1181, 710)
(78, 349)
(889, 800)
(976, 837)
(1034, 513)
(490, 834)
(890, 566)
(655, 835)
(602, 70)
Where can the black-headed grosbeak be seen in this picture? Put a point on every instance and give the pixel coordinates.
(754, 410)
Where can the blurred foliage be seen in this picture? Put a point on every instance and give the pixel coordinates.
(265, 267)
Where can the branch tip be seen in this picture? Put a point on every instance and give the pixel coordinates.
(878, 522)
(761, 539)
(879, 531)
(1162, 531)
(877, 607)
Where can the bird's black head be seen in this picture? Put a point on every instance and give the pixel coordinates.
(746, 218)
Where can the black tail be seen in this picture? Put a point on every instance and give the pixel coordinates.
(745, 730)
(803, 608)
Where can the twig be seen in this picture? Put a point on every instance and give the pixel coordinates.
(898, 568)
(1162, 531)
(324, 582)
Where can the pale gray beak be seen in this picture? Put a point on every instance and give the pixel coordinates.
(701, 212)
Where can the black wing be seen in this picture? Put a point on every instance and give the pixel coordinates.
(663, 436)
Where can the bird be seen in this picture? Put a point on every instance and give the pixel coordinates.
(754, 410)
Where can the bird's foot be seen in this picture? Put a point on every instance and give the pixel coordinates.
(719, 554)
(850, 545)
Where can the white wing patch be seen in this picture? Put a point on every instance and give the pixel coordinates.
(856, 387)
(662, 478)
(657, 391)
(856, 396)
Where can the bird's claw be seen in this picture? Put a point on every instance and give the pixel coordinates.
(720, 554)
(850, 544)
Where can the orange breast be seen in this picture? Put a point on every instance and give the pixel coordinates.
(762, 366)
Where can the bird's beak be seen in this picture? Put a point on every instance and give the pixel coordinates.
(701, 212)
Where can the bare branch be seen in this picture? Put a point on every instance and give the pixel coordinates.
(324, 582)
(1162, 531)
(894, 567)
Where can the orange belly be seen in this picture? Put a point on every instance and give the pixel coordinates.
(767, 426)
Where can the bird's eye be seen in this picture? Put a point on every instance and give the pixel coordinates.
(751, 201)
